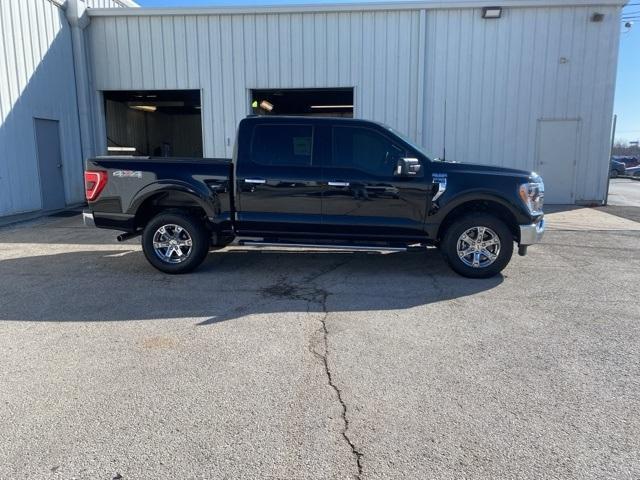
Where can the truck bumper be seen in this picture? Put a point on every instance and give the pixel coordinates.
(87, 218)
(530, 234)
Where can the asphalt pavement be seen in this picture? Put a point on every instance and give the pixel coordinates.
(287, 365)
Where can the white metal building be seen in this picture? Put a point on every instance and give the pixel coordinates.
(532, 89)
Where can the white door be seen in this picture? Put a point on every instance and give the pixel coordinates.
(556, 157)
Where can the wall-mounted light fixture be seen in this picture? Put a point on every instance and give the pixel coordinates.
(491, 12)
(597, 17)
(121, 149)
(144, 108)
(268, 106)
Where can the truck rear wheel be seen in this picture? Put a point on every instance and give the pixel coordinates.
(175, 242)
(477, 245)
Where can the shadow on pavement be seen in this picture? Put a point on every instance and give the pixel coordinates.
(114, 285)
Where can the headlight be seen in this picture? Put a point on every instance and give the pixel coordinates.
(532, 194)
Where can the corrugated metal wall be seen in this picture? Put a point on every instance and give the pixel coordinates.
(36, 80)
(497, 77)
(225, 55)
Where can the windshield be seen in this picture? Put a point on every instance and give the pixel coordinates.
(411, 143)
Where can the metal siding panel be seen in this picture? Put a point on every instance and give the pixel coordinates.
(333, 52)
(284, 48)
(508, 129)
(217, 87)
(36, 80)
(367, 95)
(113, 61)
(308, 49)
(262, 51)
(180, 37)
(228, 82)
(204, 60)
(249, 42)
(392, 80)
(239, 97)
(320, 54)
(191, 55)
(344, 49)
(169, 49)
(136, 75)
(156, 49)
(273, 51)
(500, 85)
(123, 47)
(355, 38)
(148, 72)
(297, 54)
(405, 73)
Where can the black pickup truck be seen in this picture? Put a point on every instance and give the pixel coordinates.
(317, 182)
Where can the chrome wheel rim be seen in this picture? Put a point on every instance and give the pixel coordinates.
(478, 247)
(172, 243)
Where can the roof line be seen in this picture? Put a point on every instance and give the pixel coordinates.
(128, 3)
(122, 3)
(346, 7)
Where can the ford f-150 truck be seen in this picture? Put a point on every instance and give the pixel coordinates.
(317, 182)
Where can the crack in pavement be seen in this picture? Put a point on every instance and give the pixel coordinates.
(313, 294)
(324, 357)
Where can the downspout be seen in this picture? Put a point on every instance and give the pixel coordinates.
(76, 12)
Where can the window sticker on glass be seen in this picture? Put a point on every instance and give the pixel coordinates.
(302, 146)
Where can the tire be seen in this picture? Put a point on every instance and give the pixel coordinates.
(471, 225)
(613, 174)
(186, 239)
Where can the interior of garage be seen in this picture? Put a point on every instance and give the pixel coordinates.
(319, 102)
(164, 123)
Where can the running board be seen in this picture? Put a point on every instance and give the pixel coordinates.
(323, 246)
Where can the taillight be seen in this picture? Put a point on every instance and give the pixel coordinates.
(94, 183)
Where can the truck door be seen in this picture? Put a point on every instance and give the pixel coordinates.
(278, 180)
(362, 196)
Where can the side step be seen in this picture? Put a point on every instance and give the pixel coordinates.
(323, 246)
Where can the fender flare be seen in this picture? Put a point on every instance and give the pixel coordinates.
(479, 195)
(207, 200)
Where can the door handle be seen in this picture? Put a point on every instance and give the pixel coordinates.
(255, 180)
(338, 184)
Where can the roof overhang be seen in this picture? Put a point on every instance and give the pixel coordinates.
(346, 7)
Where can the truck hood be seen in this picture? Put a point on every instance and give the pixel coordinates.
(477, 168)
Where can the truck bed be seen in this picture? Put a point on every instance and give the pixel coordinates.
(132, 181)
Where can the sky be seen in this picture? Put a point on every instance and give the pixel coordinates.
(627, 102)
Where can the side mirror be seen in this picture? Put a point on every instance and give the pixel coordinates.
(407, 167)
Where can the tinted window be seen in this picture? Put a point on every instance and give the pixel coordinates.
(365, 150)
(285, 145)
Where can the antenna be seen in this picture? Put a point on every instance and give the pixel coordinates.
(444, 133)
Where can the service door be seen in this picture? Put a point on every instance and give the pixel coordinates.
(556, 159)
(47, 133)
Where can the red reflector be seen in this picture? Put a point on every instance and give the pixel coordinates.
(94, 182)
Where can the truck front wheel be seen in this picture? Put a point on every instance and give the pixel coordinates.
(175, 242)
(477, 245)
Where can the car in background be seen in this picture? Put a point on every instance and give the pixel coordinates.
(633, 171)
(628, 160)
(616, 168)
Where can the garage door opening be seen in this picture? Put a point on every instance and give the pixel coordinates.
(162, 123)
(319, 102)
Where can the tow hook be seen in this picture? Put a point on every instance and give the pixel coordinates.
(522, 250)
(127, 235)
